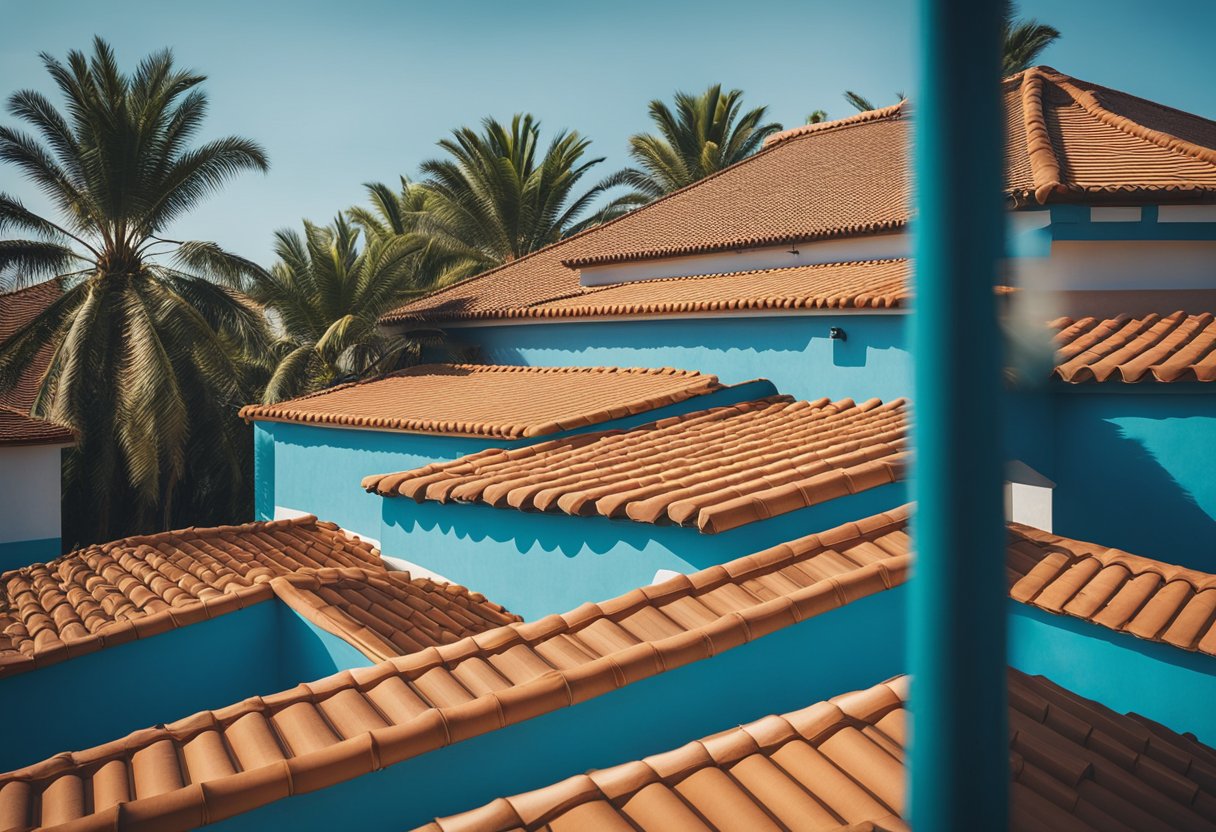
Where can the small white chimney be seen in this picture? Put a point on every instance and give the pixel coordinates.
(1027, 496)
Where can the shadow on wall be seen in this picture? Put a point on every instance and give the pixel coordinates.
(1135, 472)
(535, 564)
(794, 351)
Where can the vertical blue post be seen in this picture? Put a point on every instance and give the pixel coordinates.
(959, 748)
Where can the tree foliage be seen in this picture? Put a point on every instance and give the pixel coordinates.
(144, 344)
(702, 135)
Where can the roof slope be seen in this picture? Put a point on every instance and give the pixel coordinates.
(1161, 348)
(1113, 589)
(1069, 140)
(137, 587)
(490, 400)
(217, 764)
(18, 428)
(714, 469)
(839, 765)
(17, 309)
(871, 284)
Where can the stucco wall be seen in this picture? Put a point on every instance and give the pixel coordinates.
(1122, 672)
(794, 352)
(317, 470)
(103, 696)
(29, 503)
(846, 649)
(535, 564)
(1135, 468)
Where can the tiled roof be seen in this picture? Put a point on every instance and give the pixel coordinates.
(487, 400)
(137, 587)
(17, 309)
(1123, 592)
(386, 614)
(17, 428)
(217, 764)
(839, 765)
(1163, 348)
(796, 191)
(1069, 140)
(714, 469)
(871, 284)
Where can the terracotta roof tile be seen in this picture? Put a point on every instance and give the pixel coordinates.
(1163, 348)
(490, 400)
(1068, 140)
(714, 469)
(872, 284)
(108, 594)
(839, 765)
(1111, 588)
(386, 614)
(17, 309)
(182, 774)
(18, 428)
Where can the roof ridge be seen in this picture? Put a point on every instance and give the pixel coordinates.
(1044, 163)
(863, 117)
(1090, 102)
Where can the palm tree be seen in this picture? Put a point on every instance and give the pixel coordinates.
(401, 214)
(493, 200)
(142, 342)
(1022, 41)
(327, 295)
(705, 133)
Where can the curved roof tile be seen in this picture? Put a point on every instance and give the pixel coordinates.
(713, 469)
(507, 402)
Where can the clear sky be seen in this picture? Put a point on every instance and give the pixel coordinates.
(341, 92)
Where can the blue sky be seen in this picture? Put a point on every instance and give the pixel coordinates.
(341, 93)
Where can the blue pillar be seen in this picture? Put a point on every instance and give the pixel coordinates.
(959, 748)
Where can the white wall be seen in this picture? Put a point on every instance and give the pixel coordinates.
(1111, 265)
(29, 492)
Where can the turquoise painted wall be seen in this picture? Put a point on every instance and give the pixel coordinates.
(535, 564)
(102, 696)
(1135, 468)
(18, 553)
(318, 469)
(846, 649)
(793, 351)
(1124, 673)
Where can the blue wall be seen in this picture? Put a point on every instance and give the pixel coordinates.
(853, 647)
(1135, 468)
(1124, 673)
(535, 564)
(792, 351)
(18, 553)
(318, 469)
(102, 696)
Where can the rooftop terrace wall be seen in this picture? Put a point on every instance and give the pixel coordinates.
(261, 649)
(795, 351)
(535, 564)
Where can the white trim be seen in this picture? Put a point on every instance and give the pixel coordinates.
(1115, 213)
(402, 565)
(664, 575)
(815, 253)
(1186, 213)
(284, 513)
(667, 316)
